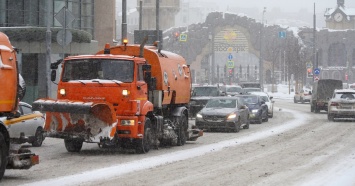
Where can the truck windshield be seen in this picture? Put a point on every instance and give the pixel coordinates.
(88, 69)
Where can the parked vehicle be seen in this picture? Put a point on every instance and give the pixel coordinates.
(128, 96)
(257, 107)
(231, 90)
(250, 85)
(12, 156)
(268, 101)
(302, 96)
(226, 113)
(28, 127)
(342, 104)
(200, 96)
(322, 91)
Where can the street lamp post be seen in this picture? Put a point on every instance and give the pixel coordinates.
(261, 68)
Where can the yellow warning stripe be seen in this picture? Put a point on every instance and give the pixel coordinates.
(7, 101)
(19, 119)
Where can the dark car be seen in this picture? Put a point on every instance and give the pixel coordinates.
(227, 113)
(257, 107)
(200, 96)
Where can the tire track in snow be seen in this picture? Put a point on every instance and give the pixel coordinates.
(151, 162)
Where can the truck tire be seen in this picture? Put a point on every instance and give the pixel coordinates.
(143, 145)
(73, 145)
(182, 131)
(3, 155)
(37, 141)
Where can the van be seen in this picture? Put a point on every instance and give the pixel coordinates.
(322, 91)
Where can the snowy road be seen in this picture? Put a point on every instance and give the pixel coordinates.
(296, 147)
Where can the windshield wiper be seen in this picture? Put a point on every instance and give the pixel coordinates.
(81, 82)
(97, 81)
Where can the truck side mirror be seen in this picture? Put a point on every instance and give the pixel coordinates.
(146, 67)
(53, 75)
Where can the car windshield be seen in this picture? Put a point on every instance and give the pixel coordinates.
(88, 69)
(250, 99)
(221, 103)
(205, 91)
(345, 95)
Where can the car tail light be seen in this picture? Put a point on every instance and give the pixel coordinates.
(334, 104)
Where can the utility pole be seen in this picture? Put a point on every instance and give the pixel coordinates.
(261, 66)
(315, 64)
(48, 47)
(124, 20)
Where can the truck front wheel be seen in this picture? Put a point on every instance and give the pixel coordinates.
(73, 145)
(144, 144)
(3, 155)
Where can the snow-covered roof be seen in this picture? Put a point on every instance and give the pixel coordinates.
(346, 11)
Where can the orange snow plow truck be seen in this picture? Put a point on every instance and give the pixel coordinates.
(12, 156)
(127, 96)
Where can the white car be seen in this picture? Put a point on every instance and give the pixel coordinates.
(302, 96)
(28, 127)
(342, 104)
(268, 101)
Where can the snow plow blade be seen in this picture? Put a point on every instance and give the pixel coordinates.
(80, 119)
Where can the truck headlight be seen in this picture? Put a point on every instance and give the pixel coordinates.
(127, 122)
(254, 111)
(232, 116)
(125, 92)
(62, 92)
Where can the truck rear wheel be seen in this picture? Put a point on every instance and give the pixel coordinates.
(73, 145)
(3, 155)
(182, 131)
(144, 144)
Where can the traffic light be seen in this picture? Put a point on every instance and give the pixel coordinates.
(309, 73)
(176, 36)
(231, 72)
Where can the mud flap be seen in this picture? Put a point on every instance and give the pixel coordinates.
(86, 119)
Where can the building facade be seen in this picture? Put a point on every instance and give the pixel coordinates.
(340, 17)
(26, 19)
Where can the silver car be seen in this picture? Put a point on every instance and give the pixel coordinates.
(342, 104)
(28, 127)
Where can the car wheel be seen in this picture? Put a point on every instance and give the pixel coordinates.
(302, 101)
(330, 117)
(237, 126)
(39, 138)
(294, 100)
(266, 118)
(272, 115)
(260, 120)
(316, 110)
(144, 144)
(73, 145)
(247, 125)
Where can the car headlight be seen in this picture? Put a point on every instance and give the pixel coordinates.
(198, 115)
(254, 111)
(232, 116)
